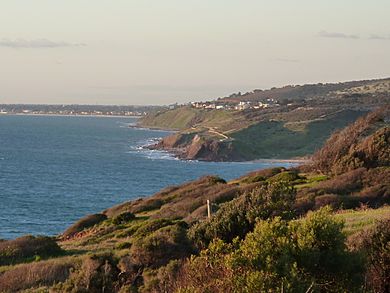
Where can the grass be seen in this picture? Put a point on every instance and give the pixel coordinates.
(356, 221)
(272, 139)
(197, 120)
(311, 180)
(178, 119)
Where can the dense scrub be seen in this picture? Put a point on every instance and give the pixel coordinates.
(375, 245)
(238, 217)
(290, 256)
(365, 143)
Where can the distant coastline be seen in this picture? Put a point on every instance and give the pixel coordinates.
(69, 115)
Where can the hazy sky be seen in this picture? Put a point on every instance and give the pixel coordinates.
(157, 52)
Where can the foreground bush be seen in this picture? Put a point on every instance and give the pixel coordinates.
(238, 217)
(278, 256)
(27, 248)
(160, 246)
(375, 244)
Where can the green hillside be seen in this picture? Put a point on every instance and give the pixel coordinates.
(277, 139)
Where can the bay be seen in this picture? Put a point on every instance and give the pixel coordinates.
(56, 169)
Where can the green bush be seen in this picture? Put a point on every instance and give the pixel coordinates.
(160, 246)
(123, 245)
(287, 176)
(322, 253)
(238, 217)
(307, 255)
(150, 226)
(123, 218)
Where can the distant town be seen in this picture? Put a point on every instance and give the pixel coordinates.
(113, 110)
(79, 110)
(242, 105)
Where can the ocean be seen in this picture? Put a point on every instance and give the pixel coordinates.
(56, 169)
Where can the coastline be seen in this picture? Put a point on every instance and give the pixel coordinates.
(69, 115)
(178, 152)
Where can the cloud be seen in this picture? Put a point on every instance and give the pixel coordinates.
(325, 34)
(36, 43)
(379, 37)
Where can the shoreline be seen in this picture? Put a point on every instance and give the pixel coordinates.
(69, 115)
(176, 152)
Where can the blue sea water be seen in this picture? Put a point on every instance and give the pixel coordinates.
(55, 169)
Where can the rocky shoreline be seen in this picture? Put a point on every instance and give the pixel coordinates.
(191, 146)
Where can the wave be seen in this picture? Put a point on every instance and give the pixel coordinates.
(141, 149)
(152, 154)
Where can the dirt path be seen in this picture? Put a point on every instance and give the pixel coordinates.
(214, 131)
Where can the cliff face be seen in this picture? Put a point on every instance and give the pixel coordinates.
(196, 147)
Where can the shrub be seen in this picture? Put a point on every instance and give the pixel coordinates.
(375, 244)
(261, 175)
(287, 176)
(303, 204)
(216, 180)
(307, 255)
(327, 199)
(161, 280)
(343, 184)
(26, 248)
(32, 275)
(84, 223)
(123, 245)
(123, 218)
(96, 273)
(148, 227)
(157, 248)
(238, 217)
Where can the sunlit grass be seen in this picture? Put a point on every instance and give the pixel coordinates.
(356, 221)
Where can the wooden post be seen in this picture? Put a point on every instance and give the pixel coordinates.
(208, 209)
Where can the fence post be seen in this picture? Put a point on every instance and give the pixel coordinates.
(208, 209)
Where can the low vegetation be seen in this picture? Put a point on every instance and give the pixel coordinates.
(27, 248)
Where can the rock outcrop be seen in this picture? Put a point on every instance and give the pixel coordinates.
(191, 146)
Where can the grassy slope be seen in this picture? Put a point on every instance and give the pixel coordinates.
(184, 118)
(358, 220)
(178, 119)
(274, 139)
(284, 138)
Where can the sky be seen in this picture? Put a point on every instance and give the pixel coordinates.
(161, 52)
